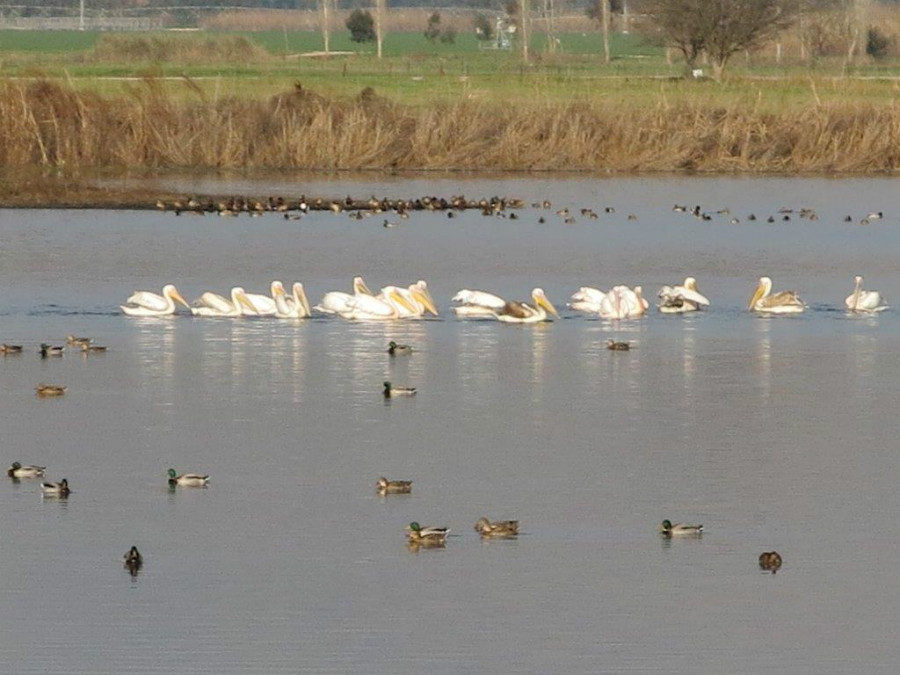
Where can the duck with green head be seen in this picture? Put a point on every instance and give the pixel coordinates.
(28, 471)
(187, 479)
(679, 529)
(497, 528)
(395, 349)
(435, 536)
(390, 391)
(49, 350)
(60, 489)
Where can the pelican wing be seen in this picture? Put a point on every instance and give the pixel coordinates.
(148, 300)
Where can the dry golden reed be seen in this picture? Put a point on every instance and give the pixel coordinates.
(48, 124)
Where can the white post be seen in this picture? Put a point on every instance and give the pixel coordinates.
(81, 16)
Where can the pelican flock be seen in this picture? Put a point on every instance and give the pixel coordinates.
(415, 301)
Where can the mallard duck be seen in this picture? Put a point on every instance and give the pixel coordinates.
(45, 390)
(187, 479)
(88, 348)
(79, 341)
(390, 391)
(133, 558)
(770, 561)
(426, 535)
(394, 349)
(679, 529)
(48, 350)
(497, 528)
(60, 489)
(393, 487)
(10, 349)
(617, 346)
(19, 471)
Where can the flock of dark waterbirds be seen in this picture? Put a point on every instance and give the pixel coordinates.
(496, 206)
(418, 536)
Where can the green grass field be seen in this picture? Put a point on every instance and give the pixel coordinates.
(419, 73)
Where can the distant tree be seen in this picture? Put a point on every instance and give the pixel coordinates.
(720, 28)
(877, 43)
(361, 26)
(433, 27)
(448, 36)
(484, 30)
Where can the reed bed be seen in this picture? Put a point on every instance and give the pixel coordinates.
(49, 124)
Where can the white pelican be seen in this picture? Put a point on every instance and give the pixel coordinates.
(864, 301)
(294, 306)
(364, 307)
(684, 298)
(519, 312)
(146, 303)
(417, 297)
(213, 304)
(477, 303)
(623, 303)
(338, 302)
(785, 302)
(587, 299)
(264, 305)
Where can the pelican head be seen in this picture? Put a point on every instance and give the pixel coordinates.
(360, 288)
(419, 291)
(239, 295)
(764, 288)
(172, 293)
(395, 295)
(540, 300)
(300, 294)
(690, 283)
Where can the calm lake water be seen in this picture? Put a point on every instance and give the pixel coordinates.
(774, 433)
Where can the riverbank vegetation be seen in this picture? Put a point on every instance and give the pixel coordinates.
(50, 124)
(272, 100)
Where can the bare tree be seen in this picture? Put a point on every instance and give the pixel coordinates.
(718, 28)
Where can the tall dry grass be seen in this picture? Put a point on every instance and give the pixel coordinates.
(48, 124)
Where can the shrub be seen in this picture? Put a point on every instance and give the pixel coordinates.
(361, 26)
(483, 28)
(448, 37)
(433, 28)
(877, 43)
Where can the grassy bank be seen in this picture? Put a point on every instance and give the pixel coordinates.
(50, 124)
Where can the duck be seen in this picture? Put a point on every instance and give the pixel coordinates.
(435, 536)
(133, 561)
(17, 470)
(683, 298)
(770, 561)
(497, 528)
(187, 479)
(45, 390)
(393, 487)
(49, 350)
(79, 341)
(679, 529)
(864, 301)
(60, 489)
(10, 349)
(395, 350)
(88, 348)
(133, 558)
(390, 391)
(785, 302)
(617, 346)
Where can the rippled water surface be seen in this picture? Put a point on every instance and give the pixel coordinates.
(774, 433)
